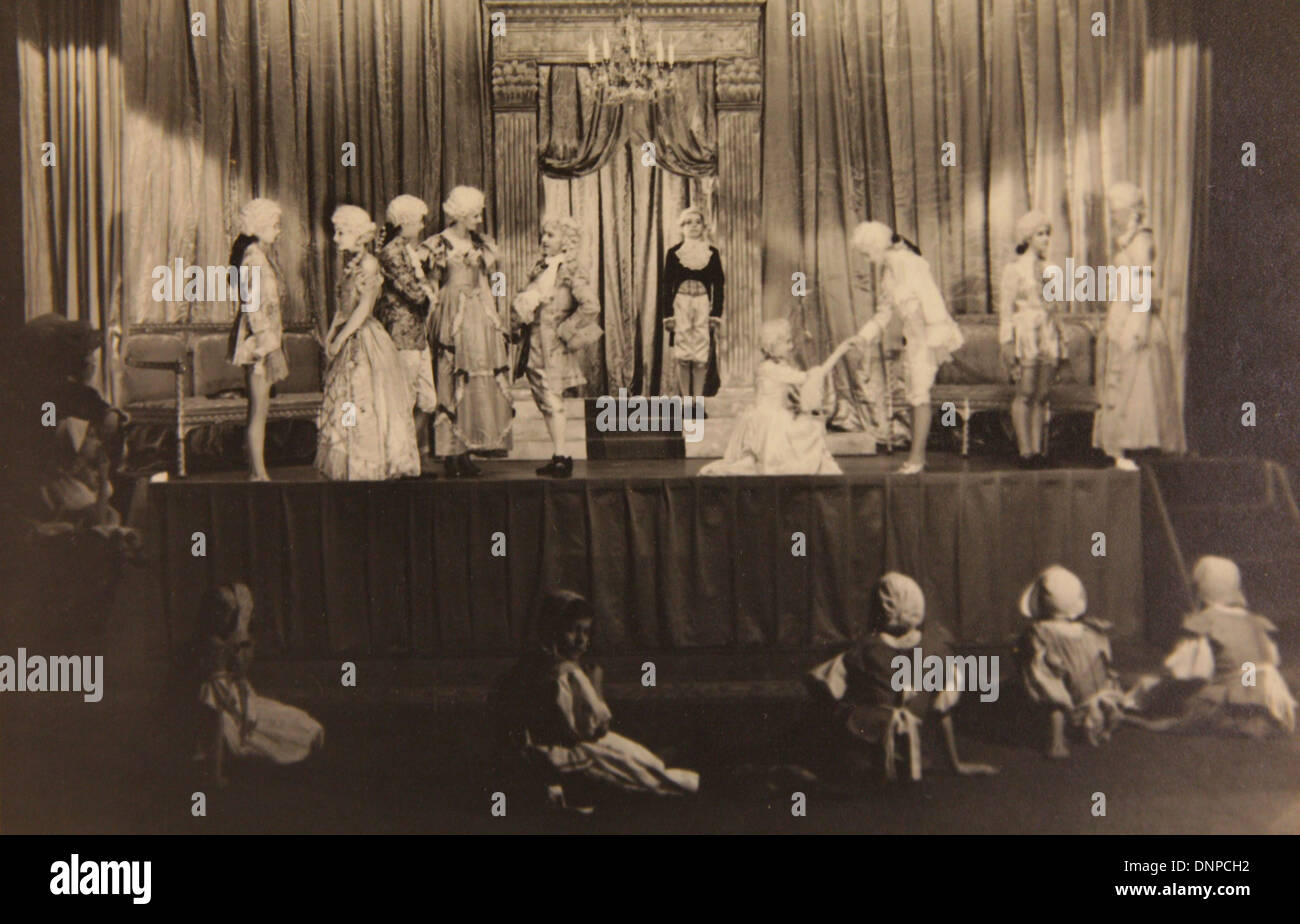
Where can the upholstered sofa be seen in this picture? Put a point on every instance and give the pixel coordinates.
(976, 380)
(181, 379)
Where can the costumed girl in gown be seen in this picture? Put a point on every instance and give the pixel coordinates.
(554, 722)
(1136, 380)
(777, 436)
(691, 290)
(1223, 643)
(244, 724)
(256, 338)
(908, 289)
(866, 724)
(1065, 660)
(471, 340)
(406, 303)
(366, 432)
(1033, 345)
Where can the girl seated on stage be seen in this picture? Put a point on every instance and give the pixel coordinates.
(555, 723)
(907, 288)
(243, 724)
(783, 434)
(874, 725)
(1065, 660)
(1223, 674)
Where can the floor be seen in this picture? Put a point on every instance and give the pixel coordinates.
(423, 768)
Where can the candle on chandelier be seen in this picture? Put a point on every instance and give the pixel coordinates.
(605, 49)
(591, 51)
(671, 59)
(659, 49)
(632, 39)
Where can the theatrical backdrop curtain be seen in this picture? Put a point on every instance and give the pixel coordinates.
(264, 104)
(70, 87)
(1041, 114)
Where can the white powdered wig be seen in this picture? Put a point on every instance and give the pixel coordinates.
(1127, 196)
(406, 208)
(257, 215)
(462, 202)
(771, 333)
(872, 238)
(567, 228)
(1029, 223)
(354, 219)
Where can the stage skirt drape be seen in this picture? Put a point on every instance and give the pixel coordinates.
(441, 570)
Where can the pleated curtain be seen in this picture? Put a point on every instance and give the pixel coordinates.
(1033, 111)
(70, 85)
(313, 104)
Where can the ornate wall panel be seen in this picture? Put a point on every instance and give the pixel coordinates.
(514, 136)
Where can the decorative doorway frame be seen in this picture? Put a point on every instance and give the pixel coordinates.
(726, 32)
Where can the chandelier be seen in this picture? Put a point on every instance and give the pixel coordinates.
(633, 69)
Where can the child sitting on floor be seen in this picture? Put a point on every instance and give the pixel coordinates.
(555, 719)
(878, 724)
(244, 724)
(1065, 660)
(1223, 673)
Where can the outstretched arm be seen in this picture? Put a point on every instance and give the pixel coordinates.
(823, 369)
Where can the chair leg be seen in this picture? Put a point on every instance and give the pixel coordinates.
(965, 427)
(180, 417)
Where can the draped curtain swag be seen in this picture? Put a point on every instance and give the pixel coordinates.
(592, 159)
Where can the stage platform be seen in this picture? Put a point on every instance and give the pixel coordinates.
(442, 569)
(725, 410)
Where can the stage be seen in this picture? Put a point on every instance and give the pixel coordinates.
(437, 568)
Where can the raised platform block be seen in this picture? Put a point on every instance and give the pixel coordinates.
(532, 441)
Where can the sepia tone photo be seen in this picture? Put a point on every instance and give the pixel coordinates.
(595, 416)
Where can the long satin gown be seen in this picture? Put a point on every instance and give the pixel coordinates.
(365, 428)
(471, 354)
